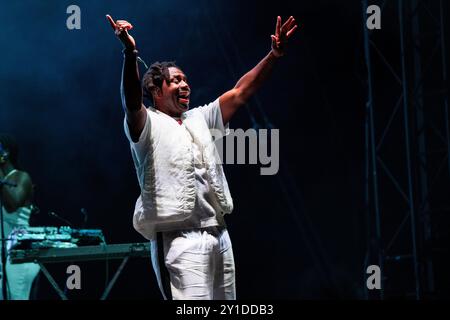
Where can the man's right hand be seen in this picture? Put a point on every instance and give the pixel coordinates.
(121, 28)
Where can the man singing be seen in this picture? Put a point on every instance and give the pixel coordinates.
(184, 192)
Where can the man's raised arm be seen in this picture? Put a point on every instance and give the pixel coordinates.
(231, 100)
(130, 89)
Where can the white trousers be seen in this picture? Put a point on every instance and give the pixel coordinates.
(20, 276)
(198, 263)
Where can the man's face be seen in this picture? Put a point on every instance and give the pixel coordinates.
(3, 155)
(173, 99)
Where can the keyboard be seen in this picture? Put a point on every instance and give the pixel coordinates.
(85, 253)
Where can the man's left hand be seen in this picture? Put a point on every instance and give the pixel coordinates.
(282, 35)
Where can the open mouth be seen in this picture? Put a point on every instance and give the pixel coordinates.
(183, 99)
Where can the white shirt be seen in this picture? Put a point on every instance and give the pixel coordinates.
(206, 211)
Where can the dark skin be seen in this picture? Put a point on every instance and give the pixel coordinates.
(15, 197)
(173, 98)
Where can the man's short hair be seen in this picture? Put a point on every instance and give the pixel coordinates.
(10, 145)
(154, 77)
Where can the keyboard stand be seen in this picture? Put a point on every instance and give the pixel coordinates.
(105, 293)
(92, 253)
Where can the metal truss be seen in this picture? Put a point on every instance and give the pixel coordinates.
(407, 151)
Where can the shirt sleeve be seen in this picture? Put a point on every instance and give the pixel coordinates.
(213, 117)
(140, 147)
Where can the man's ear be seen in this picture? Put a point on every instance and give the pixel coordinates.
(158, 92)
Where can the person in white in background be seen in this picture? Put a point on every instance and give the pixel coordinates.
(17, 208)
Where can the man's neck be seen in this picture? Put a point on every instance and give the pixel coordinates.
(170, 114)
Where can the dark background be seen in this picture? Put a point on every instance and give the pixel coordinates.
(299, 234)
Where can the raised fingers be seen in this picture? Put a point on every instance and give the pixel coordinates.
(290, 32)
(124, 24)
(288, 24)
(291, 24)
(119, 24)
(111, 21)
(278, 27)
